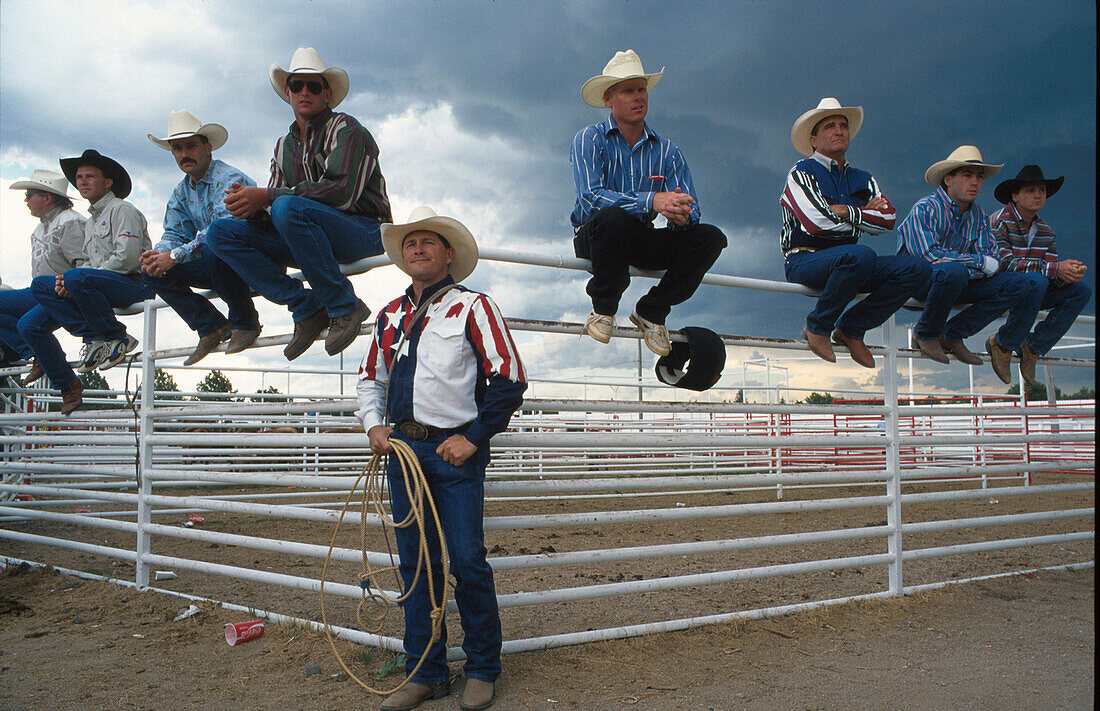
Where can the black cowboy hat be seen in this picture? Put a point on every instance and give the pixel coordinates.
(695, 365)
(1027, 174)
(120, 185)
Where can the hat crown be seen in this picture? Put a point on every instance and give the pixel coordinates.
(182, 122)
(1031, 174)
(966, 154)
(45, 180)
(421, 212)
(306, 60)
(624, 64)
(828, 103)
(47, 176)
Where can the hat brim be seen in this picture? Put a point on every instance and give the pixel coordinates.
(120, 179)
(33, 185)
(804, 125)
(1003, 192)
(337, 81)
(215, 133)
(456, 234)
(934, 175)
(593, 90)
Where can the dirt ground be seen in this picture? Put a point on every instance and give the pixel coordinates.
(1001, 643)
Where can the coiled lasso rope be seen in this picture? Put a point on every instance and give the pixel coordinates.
(416, 487)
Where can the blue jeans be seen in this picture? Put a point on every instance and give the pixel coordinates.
(989, 298)
(459, 495)
(88, 313)
(844, 271)
(14, 304)
(206, 271)
(307, 234)
(1063, 305)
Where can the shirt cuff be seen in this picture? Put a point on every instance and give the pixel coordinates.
(477, 433)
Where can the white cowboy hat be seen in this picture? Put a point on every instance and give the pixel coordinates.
(450, 229)
(307, 61)
(45, 180)
(804, 124)
(623, 66)
(961, 156)
(181, 124)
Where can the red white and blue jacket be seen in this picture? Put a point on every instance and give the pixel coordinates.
(458, 365)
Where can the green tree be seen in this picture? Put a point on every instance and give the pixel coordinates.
(215, 382)
(740, 396)
(269, 390)
(163, 382)
(1036, 391)
(816, 398)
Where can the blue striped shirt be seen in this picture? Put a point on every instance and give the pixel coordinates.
(936, 230)
(607, 172)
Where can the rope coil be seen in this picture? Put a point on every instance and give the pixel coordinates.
(421, 503)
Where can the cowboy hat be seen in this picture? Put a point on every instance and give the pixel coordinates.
(623, 66)
(120, 185)
(182, 124)
(450, 229)
(307, 61)
(961, 156)
(1027, 174)
(44, 180)
(804, 124)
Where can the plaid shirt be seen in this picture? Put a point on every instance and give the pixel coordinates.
(1023, 247)
(336, 164)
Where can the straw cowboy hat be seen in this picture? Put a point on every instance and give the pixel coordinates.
(307, 61)
(450, 229)
(804, 124)
(623, 66)
(1027, 174)
(961, 156)
(181, 124)
(45, 180)
(120, 185)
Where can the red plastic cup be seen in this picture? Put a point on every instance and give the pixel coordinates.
(195, 518)
(237, 632)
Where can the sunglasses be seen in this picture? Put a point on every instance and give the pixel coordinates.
(296, 85)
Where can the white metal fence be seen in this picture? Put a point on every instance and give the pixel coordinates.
(682, 512)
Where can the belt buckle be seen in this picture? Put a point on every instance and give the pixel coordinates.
(413, 430)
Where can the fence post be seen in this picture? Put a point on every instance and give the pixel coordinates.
(893, 459)
(145, 450)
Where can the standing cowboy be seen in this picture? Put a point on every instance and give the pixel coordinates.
(447, 382)
(83, 299)
(326, 198)
(57, 245)
(1025, 244)
(951, 231)
(827, 205)
(625, 175)
(181, 260)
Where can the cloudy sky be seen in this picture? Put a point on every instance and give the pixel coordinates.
(474, 105)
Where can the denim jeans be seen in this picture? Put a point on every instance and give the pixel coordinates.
(304, 233)
(88, 313)
(14, 304)
(1062, 303)
(989, 298)
(459, 495)
(844, 271)
(206, 271)
(616, 241)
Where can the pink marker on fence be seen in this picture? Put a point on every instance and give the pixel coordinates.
(237, 632)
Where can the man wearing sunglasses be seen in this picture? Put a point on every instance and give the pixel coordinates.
(322, 207)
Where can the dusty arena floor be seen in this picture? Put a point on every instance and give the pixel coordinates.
(995, 644)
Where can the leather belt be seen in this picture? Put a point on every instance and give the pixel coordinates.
(417, 432)
(796, 250)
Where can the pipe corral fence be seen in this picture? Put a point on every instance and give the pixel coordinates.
(614, 515)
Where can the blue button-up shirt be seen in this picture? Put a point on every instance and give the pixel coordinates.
(938, 231)
(608, 172)
(193, 206)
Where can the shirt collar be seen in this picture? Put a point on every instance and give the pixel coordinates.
(205, 178)
(103, 202)
(314, 123)
(428, 292)
(609, 125)
(829, 162)
(52, 214)
(1016, 214)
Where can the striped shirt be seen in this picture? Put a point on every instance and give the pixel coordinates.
(607, 172)
(458, 365)
(937, 231)
(336, 164)
(812, 186)
(1022, 247)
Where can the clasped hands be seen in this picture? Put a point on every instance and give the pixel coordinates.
(675, 206)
